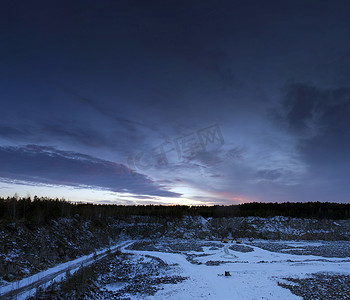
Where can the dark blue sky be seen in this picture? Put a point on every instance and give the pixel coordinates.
(197, 102)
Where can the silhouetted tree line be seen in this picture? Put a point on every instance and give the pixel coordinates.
(39, 211)
(320, 210)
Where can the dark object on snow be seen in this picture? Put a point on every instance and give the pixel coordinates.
(227, 273)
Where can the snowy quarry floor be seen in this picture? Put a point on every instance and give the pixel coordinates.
(254, 274)
(255, 271)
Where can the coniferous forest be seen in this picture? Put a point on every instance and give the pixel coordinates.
(39, 211)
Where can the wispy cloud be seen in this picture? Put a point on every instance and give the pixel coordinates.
(48, 165)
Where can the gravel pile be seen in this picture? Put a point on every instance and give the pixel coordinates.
(241, 248)
(328, 249)
(271, 246)
(215, 262)
(173, 246)
(320, 286)
(192, 245)
(186, 246)
(339, 249)
(191, 258)
(145, 246)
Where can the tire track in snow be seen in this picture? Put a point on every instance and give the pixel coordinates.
(227, 253)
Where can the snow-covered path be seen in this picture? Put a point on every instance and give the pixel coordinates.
(23, 288)
(254, 275)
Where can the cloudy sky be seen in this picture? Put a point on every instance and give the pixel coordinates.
(175, 102)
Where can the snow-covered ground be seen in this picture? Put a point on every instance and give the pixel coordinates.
(254, 275)
(254, 271)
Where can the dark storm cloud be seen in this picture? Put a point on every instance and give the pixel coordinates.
(47, 165)
(319, 118)
(143, 197)
(311, 108)
(117, 78)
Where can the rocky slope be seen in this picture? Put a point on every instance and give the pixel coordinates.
(25, 251)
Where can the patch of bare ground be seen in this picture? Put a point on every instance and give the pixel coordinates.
(320, 286)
